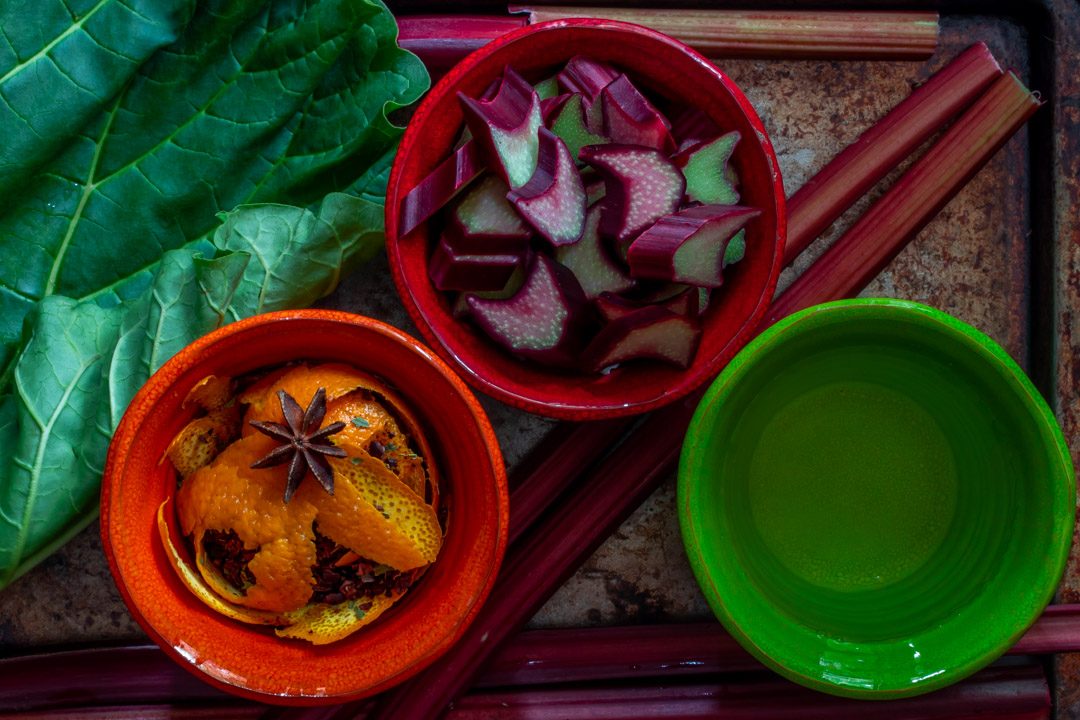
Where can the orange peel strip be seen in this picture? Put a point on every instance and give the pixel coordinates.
(195, 583)
(339, 381)
(210, 393)
(376, 515)
(202, 439)
(320, 624)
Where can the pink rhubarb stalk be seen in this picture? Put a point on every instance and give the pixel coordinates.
(848, 176)
(825, 34)
(440, 186)
(886, 228)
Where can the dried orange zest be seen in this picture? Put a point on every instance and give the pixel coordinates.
(202, 439)
(195, 583)
(210, 393)
(382, 510)
(320, 624)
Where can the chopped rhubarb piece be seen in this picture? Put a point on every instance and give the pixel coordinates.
(704, 296)
(450, 270)
(736, 248)
(586, 77)
(553, 201)
(612, 306)
(691, 126)
(547, 88)
(683, 302)
(594, 186)
(440, 186)
(589, 261)
(710, 179)
(651, 332)
(630, 119)
(552, 106)
(460, 308)
(484, 222)
(641, 187)
(543, 320)
(505, 127)
(689, 246)
(570, 125)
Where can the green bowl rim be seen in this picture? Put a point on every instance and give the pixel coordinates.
(1064, 500)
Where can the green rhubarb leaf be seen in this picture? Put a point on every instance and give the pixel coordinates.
(185, 186)
(59, 61)
(254, 102)
(84, 361)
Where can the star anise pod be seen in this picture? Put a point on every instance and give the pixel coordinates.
(304, 445)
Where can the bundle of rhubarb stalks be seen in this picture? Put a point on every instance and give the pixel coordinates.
(582, 481)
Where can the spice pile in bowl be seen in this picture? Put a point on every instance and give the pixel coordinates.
(306, 498)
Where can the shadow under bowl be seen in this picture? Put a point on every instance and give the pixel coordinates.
(671, 74)
(250, 660)
(875, 500)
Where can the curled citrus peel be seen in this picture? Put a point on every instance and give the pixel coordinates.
(380, 509)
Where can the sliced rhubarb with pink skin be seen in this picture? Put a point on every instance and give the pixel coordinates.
(440, 186)
(586, 77)
(710, 179)
(570, 125)
(553, 201)
(484, 222)
(505, 127)
(704, 296)
(736, 249)
(542, 321)
(460, 308)
(652, 332)
(678, 298)
(642, 186)
(612, 306)
(548, 87)
(450, 270)
(552, 106)
(691, 126)
(688, 246)
(630, 119)
(594, 186)
(588, 259)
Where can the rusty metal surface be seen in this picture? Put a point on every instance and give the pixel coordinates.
(973, 261)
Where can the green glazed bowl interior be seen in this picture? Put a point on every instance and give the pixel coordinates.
(874, 498)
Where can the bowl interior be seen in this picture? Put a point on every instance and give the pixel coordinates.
(673, 76)
(251, 660)
(875, 499)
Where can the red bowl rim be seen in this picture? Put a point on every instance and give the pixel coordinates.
(571, 407)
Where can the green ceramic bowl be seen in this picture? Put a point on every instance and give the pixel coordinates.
(874, 498)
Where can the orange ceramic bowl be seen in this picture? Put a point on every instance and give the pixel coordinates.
(666, 70)
(250, 660)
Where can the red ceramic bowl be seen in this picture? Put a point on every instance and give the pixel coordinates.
(663, 68)
(250, 660)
